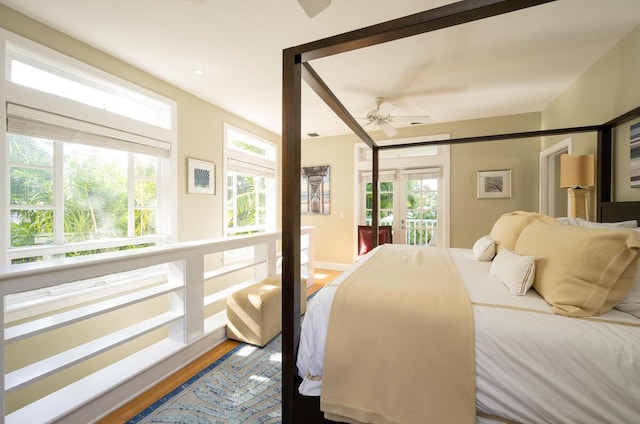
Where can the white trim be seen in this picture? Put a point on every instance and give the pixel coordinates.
(547, 180)
(332, 265)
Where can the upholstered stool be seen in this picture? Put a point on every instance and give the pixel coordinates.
(276, 280)
(254, 314)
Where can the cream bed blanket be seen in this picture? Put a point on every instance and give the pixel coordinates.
(400, 345)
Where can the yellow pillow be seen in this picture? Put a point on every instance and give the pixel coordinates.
(580, 271)
(507, 228)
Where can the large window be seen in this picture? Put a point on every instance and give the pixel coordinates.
(88, 159)
(250, 203)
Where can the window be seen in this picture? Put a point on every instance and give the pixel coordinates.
(250, 202)
(79, 181)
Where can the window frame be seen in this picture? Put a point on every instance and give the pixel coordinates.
(266, 166)
(24, 96)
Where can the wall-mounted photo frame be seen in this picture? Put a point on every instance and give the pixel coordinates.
(315, 190)
(494, 184)
(201, 177)
(634, 154)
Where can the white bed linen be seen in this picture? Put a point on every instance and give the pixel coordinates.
(531, 367)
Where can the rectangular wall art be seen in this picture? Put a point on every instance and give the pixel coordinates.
(201, 177)
(315, 190)
(494, 184)
(634, 146)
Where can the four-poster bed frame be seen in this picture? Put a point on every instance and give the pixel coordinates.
(296, 67)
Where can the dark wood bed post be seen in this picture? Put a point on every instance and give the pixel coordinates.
(291, 153)
(604, 165)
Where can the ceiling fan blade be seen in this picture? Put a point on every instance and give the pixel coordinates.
(388, 129)
(313, 7)
(386, 108)
(410, 119)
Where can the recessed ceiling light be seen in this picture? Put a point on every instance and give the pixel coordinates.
(198, 71)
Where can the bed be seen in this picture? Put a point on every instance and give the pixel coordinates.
(490, 306)
(530, 364)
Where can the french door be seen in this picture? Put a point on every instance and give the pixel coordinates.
(408, 201)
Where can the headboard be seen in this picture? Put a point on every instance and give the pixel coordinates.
(619, 211)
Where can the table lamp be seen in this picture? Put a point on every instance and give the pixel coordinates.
(577, 176)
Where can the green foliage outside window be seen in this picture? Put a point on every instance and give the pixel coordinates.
(95, 193)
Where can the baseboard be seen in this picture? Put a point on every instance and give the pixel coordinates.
(331, 265)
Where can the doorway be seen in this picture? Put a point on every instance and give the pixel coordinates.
(408, 202)
(553, 199)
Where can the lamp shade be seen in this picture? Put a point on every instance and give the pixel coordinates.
(576, 171)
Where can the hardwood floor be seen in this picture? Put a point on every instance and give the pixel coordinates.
(139, 404)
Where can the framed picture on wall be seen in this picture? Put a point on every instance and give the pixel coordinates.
(494, 184)
(315, 190)
(201, 177)
(634, 145)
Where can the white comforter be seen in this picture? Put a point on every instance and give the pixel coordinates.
(531, 366)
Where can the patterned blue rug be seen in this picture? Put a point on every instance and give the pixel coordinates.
(244, 386)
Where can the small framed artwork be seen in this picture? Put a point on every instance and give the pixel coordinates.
(201, 178)
(315, 190)
(494, 184)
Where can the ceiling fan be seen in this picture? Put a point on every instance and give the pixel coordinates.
(381, 117)
(313, 7)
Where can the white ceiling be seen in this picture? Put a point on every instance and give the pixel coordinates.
(504, 65)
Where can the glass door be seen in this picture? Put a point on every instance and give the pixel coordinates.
(411, 195)
(419, 210)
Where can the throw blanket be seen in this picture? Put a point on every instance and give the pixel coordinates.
(400, 345)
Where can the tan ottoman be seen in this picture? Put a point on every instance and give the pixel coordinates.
(276, 280)
(254, 314)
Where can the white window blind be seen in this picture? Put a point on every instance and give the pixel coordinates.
(383, 176)
(37, 123)
(235, 165)
(420, 174)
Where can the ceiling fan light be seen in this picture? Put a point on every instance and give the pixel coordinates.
(313, 7)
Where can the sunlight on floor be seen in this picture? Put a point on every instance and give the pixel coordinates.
(320, 276)
(276, 357)
(259, 378)
(246, 351)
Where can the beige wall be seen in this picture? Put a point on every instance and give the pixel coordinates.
(611, 87)
(470, 217)
(200, 124)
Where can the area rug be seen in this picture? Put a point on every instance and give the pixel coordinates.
(243, 386)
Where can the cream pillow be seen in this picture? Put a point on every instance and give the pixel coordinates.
(507, 228)
(515, 271)
(484, 249)
(581, 271)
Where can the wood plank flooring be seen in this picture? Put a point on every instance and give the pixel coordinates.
(134, 407)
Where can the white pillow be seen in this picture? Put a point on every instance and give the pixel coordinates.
(632, 223)
(581, 222)
(631, 302)
(515, 271)
(570, 221)
(484, 249)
